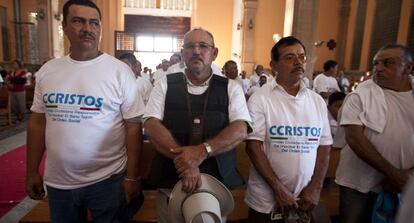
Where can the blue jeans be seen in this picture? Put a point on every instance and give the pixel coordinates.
(105, 201)
(354, 206)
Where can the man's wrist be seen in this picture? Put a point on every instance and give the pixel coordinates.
(208, 149)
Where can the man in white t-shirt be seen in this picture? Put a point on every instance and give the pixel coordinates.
(325, 83)
(195, 119)
(143, 84)
(254, 79)
(379, 126)
(86, 112)
(290, 144)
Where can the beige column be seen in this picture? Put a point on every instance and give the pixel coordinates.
(404, 27)
(112, 20)
(44, 31)
(247, 56)
(344, 11)
(305, 20)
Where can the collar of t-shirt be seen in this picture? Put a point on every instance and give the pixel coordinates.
(276, 86)
(197, 89)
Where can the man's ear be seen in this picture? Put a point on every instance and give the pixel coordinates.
(409, 68)
(215, 53)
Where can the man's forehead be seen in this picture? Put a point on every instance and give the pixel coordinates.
(389, 53)
(83, 12)
(198, 36)
(296, 48)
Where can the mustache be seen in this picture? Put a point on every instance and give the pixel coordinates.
(298, 69)
(87, 35)
(196, 58)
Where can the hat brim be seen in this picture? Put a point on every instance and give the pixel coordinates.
(208, 183)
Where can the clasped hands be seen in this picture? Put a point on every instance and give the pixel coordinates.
(187, 160)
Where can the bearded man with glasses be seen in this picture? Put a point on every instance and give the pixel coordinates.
(195, 119)
(290, 143)
(379, 126)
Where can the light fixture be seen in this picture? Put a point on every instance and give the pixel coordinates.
(251, 25)
(239, 26)
(57, 16)
(40, 14)
(318, 43)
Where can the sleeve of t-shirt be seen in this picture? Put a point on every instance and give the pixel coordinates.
(237, 103)
(132, 104)
(38, 105)
(326, 136)
(156, 102)
(351, 109)
(258, 117)
(319, 85)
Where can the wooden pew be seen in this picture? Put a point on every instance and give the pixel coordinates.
(5, 105)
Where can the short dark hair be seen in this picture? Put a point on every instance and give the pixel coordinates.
(408, 55)
(129, 56)
(87, 3)
(328, 64)
(227, 64)
(336, 96)
(19, 63)
(285, 41)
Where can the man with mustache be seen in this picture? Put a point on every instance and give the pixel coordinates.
(378, 119)
(86, 112)
(290, 143)
(195, 119)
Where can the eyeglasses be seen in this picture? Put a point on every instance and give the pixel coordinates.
(387, 62)
(201, 46)
(291, 58)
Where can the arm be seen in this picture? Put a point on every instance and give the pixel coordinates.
(132, 183)
(35, 150)
(283, 197)
(310, 194)
(367, 152)
(226, 140)
(161, 138)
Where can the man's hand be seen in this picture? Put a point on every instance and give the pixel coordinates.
(188, 157)
(309, 198)
(34, 186)
(398, 179)
(284, 199)
(131, 189)
(191, 180)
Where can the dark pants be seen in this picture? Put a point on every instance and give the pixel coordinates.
(105, 200)
(354, 206)
(258, 217)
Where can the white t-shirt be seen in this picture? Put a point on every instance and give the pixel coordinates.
(237, 103)
(291, 129)
(85, 105)
(323, 83)
(395, 143)
(254, 80)
(145, 88)
(180, 67)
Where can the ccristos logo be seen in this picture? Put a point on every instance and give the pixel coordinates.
(286, 130)
(54, 99)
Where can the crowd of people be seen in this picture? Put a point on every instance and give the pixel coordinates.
(89, 110)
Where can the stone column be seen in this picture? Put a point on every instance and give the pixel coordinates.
(247, 56)
(44, 31)
(344, 11)
(112, 20)
(305, 20)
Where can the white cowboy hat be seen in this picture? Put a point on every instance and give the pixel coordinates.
(208, 204)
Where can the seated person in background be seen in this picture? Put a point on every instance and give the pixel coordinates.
(250, 92)
(335, 101)
(325, 83)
